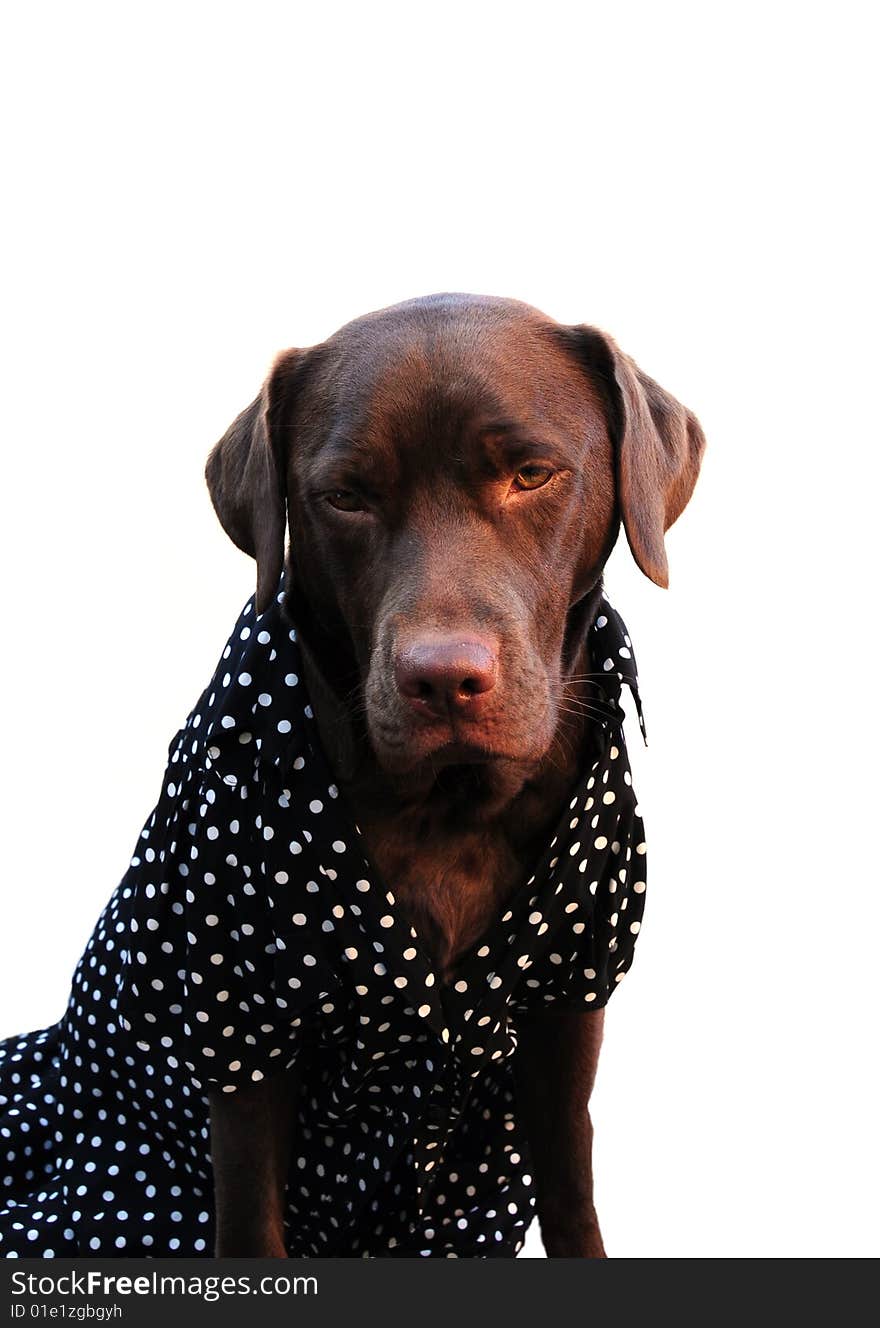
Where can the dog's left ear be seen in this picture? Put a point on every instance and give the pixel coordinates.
(245, 474)
(658, 447)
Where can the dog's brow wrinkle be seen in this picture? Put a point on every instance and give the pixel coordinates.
(340, 448)
(516, 438)
(501, 431)
(501, 426)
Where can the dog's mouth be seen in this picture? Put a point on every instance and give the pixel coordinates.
(434, 752)
(422, 748)
(454, 755)
(469, 773)
(474, 781)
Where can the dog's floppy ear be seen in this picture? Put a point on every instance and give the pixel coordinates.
(658, 448)
(245, 473)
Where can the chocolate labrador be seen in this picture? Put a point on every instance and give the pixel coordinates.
(454, 471)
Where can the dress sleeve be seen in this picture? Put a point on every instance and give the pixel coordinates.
(208, 976)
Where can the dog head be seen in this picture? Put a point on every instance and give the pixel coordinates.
(454, 471)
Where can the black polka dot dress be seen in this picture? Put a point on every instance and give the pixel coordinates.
(250, 932)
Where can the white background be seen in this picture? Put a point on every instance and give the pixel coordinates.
(190, 188)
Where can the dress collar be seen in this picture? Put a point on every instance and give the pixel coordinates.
(245, 736)
(614, 658)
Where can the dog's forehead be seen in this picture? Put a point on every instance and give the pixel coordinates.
(427, 366)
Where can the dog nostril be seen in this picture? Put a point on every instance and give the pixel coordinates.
(436, 672)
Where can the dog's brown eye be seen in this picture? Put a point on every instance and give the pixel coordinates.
(345, 500)
(532, 477)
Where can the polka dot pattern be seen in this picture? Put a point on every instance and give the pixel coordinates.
(250, 931)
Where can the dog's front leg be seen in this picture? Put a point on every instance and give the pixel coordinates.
(251, 1137)
(555, 1065)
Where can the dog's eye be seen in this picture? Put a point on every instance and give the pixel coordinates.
(345, 500)
(532, 477)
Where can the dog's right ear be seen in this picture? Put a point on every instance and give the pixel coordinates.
(246, 471)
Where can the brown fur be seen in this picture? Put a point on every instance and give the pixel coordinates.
(425, 412)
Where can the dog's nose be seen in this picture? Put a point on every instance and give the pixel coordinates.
(445, 674)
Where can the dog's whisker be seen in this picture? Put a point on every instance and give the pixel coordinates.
(584, 708)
